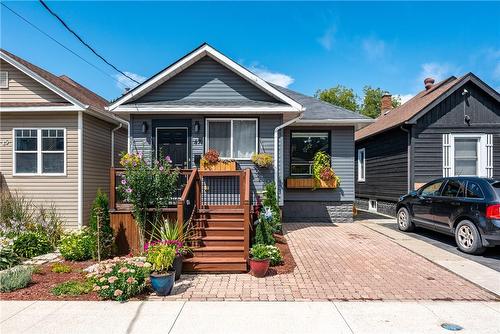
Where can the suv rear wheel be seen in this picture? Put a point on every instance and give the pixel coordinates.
(468, 238)
(404, 221)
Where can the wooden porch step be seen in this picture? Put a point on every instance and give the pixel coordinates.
(215, 264)
(219, 222)
(219, 251)
(220, 231)
(220, 240)
(222, 210)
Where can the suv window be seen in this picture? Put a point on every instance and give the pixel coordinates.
(432, 189)
(453, 188)
(496, 187)
(474, 190)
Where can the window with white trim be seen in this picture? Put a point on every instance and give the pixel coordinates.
(467, 154)
(39, 151)
(303, 146)
(361, 165)
(4, 79)
(232, 138)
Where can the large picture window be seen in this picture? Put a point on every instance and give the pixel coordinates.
(232, 138)
(303, 147)
(39, 151)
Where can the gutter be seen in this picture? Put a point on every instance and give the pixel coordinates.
(276, 130)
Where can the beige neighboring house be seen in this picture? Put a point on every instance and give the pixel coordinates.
(56, 139)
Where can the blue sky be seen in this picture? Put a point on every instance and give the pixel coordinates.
(307, 46)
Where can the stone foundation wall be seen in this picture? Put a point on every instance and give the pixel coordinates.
(384, 207)
(335, 212)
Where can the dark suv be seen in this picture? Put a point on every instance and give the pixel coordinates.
(466, 207)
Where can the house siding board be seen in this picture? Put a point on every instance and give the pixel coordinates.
(96, 161)
(43, 190)
(121, 139)
(206, 80)
(448, 117)
(342, 144)
(386, 170)
(24, 89)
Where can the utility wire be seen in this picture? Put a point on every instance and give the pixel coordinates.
(62, 45)
(83, 42)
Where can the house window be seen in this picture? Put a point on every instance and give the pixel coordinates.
(361, 164)
(39, 151)
(467, 155)
(304, 146)
(4, 79)
(232, 138)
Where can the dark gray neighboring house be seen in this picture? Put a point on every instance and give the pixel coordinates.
(206, 100)
(450, 128)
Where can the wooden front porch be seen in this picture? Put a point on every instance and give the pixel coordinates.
(216, 205)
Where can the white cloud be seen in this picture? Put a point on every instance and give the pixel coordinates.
(328, 38)
(277, 78)
(404, 97)
(124, 81)
(373, 48)
(437, 71)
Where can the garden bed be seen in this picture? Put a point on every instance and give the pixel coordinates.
(288, 265)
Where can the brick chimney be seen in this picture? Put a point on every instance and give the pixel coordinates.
(386, 103)
(428, 82)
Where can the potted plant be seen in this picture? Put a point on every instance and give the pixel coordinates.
(262, 160)
(161, 256)
(259, 260)
(212, 162)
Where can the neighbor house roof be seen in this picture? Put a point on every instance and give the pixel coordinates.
(419, 104)
(63, 83)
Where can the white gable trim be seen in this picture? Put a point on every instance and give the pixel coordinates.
(42, 81)
(205, 50)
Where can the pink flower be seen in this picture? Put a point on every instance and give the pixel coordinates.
(129, 190)
(123, 270)
(112, 279)
(167, 159)
(124, 181)
(161, 168)
(118, 292)
(102, 279)
(130, 280)
(104, 287)
(97, 288)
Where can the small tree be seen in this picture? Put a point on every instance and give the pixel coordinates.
(100, 226)
(269, 200)
(371, 106)
(264, 230)
(340, 96)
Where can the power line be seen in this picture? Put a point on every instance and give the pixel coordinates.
(84, 43)
(62, 45)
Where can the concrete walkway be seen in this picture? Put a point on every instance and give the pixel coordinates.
(247, 317)
(479, 274)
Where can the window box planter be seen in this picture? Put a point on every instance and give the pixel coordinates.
(310, 183)
(223, 165)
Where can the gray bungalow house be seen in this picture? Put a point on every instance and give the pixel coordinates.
(207, 101)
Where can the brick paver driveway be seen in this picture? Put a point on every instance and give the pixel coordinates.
(337, 262)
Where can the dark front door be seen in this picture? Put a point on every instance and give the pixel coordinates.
(173, 142)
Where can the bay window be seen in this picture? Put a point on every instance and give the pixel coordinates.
(39, 151)
(232, 138)
(303, 147)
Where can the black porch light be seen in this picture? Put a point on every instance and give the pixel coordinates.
(144, 127)
(196, 127)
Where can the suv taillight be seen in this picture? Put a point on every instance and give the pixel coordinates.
(493, 211)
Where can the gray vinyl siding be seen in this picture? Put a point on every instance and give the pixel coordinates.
(146, 141)
(206, 80)
(448, 117)
(342, 144)
(386, 170)
(24, 89)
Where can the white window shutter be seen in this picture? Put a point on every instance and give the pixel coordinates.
(446, 154)
(489, 155)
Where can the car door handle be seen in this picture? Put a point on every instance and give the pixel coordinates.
(455, 203)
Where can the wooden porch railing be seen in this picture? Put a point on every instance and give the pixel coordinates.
(186, 205)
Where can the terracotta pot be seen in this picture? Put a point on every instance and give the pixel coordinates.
(258, 268)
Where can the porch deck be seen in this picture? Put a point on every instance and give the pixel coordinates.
(217, 207)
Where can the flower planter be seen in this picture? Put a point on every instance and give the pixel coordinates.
(258, 268)
(178, 266)
(223, 165)
(163, 283)
(310, 183)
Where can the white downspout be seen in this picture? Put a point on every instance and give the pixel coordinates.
(80, 170)
(113, 143)
(276, 130)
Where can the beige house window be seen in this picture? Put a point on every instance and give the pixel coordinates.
(39, 152)
(4, 79)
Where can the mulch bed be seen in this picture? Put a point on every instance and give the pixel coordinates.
(288, 264)
(44, 280)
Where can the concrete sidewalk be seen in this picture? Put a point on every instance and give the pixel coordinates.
(246, 317)
(474, 272)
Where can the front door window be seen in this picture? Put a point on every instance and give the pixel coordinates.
(173, 142)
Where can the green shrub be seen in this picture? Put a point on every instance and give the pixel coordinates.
(120, 278)
(72, 288)
(60, 268)
(16, 214)
(77, 245)
(15, 278)
(274, 255)
(264, 230)
(30, 244)
(8, 258)
(269, 200)
(50, 223)
(99, 215)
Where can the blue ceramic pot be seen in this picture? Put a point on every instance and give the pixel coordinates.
(163, 283)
